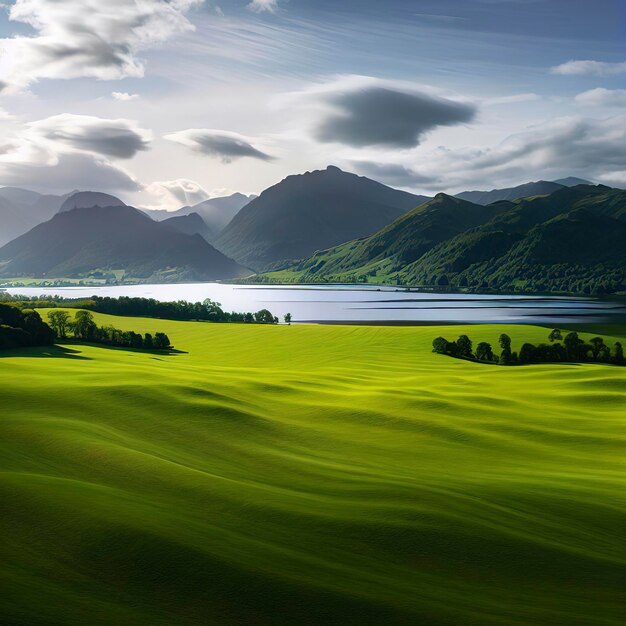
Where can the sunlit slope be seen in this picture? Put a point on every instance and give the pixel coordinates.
(309, 475)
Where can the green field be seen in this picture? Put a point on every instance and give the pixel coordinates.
(275, 475)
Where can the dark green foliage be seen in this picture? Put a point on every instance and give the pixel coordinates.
(287, 318)
(484, 352)
(464, 346)
(555, 335)
(161, 341)
(23, 328)
(440, 345)
(575, 350)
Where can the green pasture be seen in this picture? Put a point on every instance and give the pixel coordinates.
(327, 475)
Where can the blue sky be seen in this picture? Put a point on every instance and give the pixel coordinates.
(195, 97)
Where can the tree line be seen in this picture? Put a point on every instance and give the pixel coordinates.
(84, 328)
(181, 310)
(573, 349)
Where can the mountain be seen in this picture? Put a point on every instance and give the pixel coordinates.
(309, 212)
(21, 210)
(572, 181)
(94, 240)
(571, 240)
(539, 188)
(88, 199)
(402, 242)
(215, 212)
(191, 224)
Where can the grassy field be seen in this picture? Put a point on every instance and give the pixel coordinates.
(309, 475)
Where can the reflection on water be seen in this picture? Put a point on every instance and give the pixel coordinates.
(350, 303)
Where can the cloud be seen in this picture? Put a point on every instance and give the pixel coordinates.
(391, 173)
(597, 68)
(514, 99)
(66, 151)
(65, 172)
(87, 38)
(173, 194)
(259, 6)
(221, 144)
(602, 97)
(591, 148)
(360, 111)
(117, 138)
(123, 96)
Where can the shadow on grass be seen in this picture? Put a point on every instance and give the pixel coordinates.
(106, 346)
(47, 352)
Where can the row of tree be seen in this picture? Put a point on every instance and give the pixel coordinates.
(83, 327)
(572, 350)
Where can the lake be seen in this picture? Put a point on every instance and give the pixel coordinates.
(366, 304)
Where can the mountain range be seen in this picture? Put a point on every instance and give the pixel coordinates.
(118, 241)
(571, 240)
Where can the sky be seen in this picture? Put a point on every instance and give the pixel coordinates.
(168, 102)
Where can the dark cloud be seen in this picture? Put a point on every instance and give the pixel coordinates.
(382, 116)
(224, 145)
(116, 138)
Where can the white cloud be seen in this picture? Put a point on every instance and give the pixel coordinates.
(597, 68)
(123, 96)
(259, 6)
(602, 97)
(66, 151)
(592, 148)
(514, 99)
(172, 194)
(224, 145)
(87, 38)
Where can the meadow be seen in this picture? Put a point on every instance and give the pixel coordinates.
(331, 475)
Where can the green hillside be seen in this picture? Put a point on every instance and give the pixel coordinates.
(570, 241)
(309, 475)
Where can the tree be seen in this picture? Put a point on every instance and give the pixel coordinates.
(555, 335)
(440, 345)
(287, 318)
(263, 317)
(464, 346)
(59, 320)
(161, 341)
(527, 353)
(505, 344)
(484, 351)
(618, 358)
(148, 342)
(597, 343)
(84, 326)
(572, 345)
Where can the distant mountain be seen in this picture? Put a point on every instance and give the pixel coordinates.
(216, 212)
(84, 241)
(191, 224)
(21, 209)
(310, 212)
(88, 199)
(572, 181)
(539, 188)
(571, 240)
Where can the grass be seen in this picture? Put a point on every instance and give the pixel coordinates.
(309, 475)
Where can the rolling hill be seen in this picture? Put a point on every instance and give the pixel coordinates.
(309, 475)
(310, 212)
(571, 240)
(85, 241)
